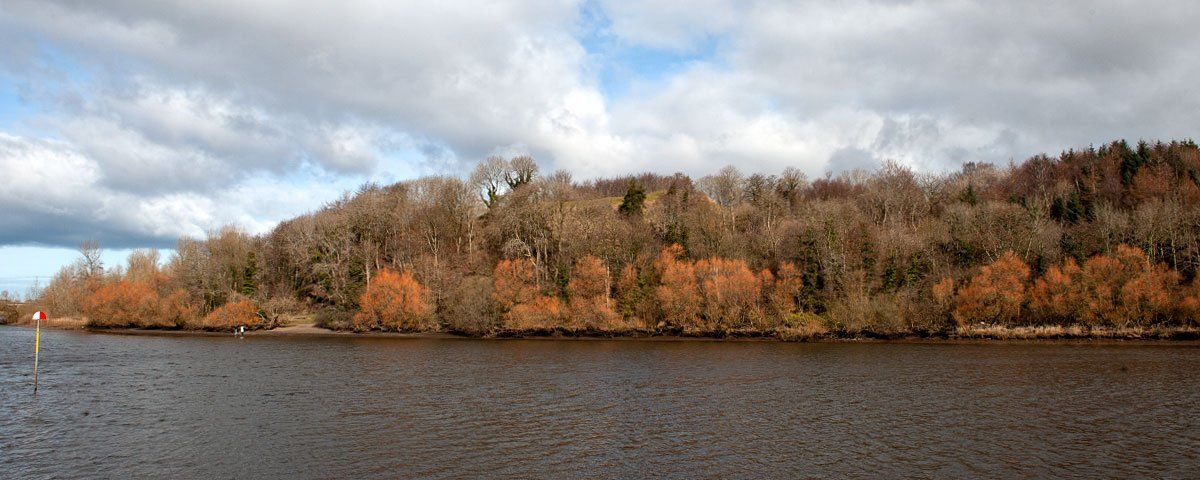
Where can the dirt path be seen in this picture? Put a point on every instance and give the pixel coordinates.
(297, 325)
(297, 329)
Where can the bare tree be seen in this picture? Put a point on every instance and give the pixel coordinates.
(559, 191)
(791, 182)
(143, 265)
(490, 178)
(92, 264)
(521, 170)
(894, 195)
(726, 188)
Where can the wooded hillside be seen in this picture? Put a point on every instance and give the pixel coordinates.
(1101, 237)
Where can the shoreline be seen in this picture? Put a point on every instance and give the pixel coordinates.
(990, 335)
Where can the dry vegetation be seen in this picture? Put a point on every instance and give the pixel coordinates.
(395, 302)
(1099, 242)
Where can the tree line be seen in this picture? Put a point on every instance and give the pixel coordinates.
(1103, 237)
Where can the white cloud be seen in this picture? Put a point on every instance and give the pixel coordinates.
(170, 118)
(43, 176)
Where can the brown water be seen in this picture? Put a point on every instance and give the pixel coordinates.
(218, 407)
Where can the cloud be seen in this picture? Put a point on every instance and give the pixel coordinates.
(156, 119)
(49, 196)
(53, 195)
(1053, 75)
(470, 75)
(930, 84)
(679, 25)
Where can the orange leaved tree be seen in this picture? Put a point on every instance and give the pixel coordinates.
(678, 294)
(1125, 288)
(1189, 305)
(124, 303)
(589, 287)
(513, 283)
(394, 302)
(233, 314)
(731, 293)
(996, 294)
(1059, 296)
(516, 291)
(1120, 289)
(788, 290)
(177, 309)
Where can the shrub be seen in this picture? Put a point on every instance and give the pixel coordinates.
(633, 295)
(801, 325)
(178, 309)
(731, 293)
(591, 306)
(1116, 290)
(514, 283)
(395, 302)
(469, 308)
(678, 294)
(542, 313)
(277, 308)
(1059, 296)
(334, 318)
(67, 290)
(1189, 305)
(996, 294)
(233, 314)
(124, 304)
(8, 312)
(787, 290)
(882, 314)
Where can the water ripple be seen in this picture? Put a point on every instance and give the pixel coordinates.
(117, 406)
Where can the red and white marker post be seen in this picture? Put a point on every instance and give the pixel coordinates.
(37, 344)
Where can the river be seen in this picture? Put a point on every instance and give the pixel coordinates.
(115, 406)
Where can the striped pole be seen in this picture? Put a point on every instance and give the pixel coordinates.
(37, 346)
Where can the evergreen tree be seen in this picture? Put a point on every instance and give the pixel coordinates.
(634, 202)
(249, 286)
(968, 196)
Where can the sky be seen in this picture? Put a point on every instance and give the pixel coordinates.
(134, 123)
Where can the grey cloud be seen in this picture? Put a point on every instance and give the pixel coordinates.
(1054, 71)
(49, 197)
(27, 227)
(52, 194)
(849, 159)
(473, 76)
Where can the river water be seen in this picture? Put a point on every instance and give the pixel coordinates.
(114, 406)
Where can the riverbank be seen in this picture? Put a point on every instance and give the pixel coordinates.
(63, 323)
(981, 334)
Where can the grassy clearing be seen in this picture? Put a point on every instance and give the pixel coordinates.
(615, 202)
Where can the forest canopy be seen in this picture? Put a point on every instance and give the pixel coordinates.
(1104, 237)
